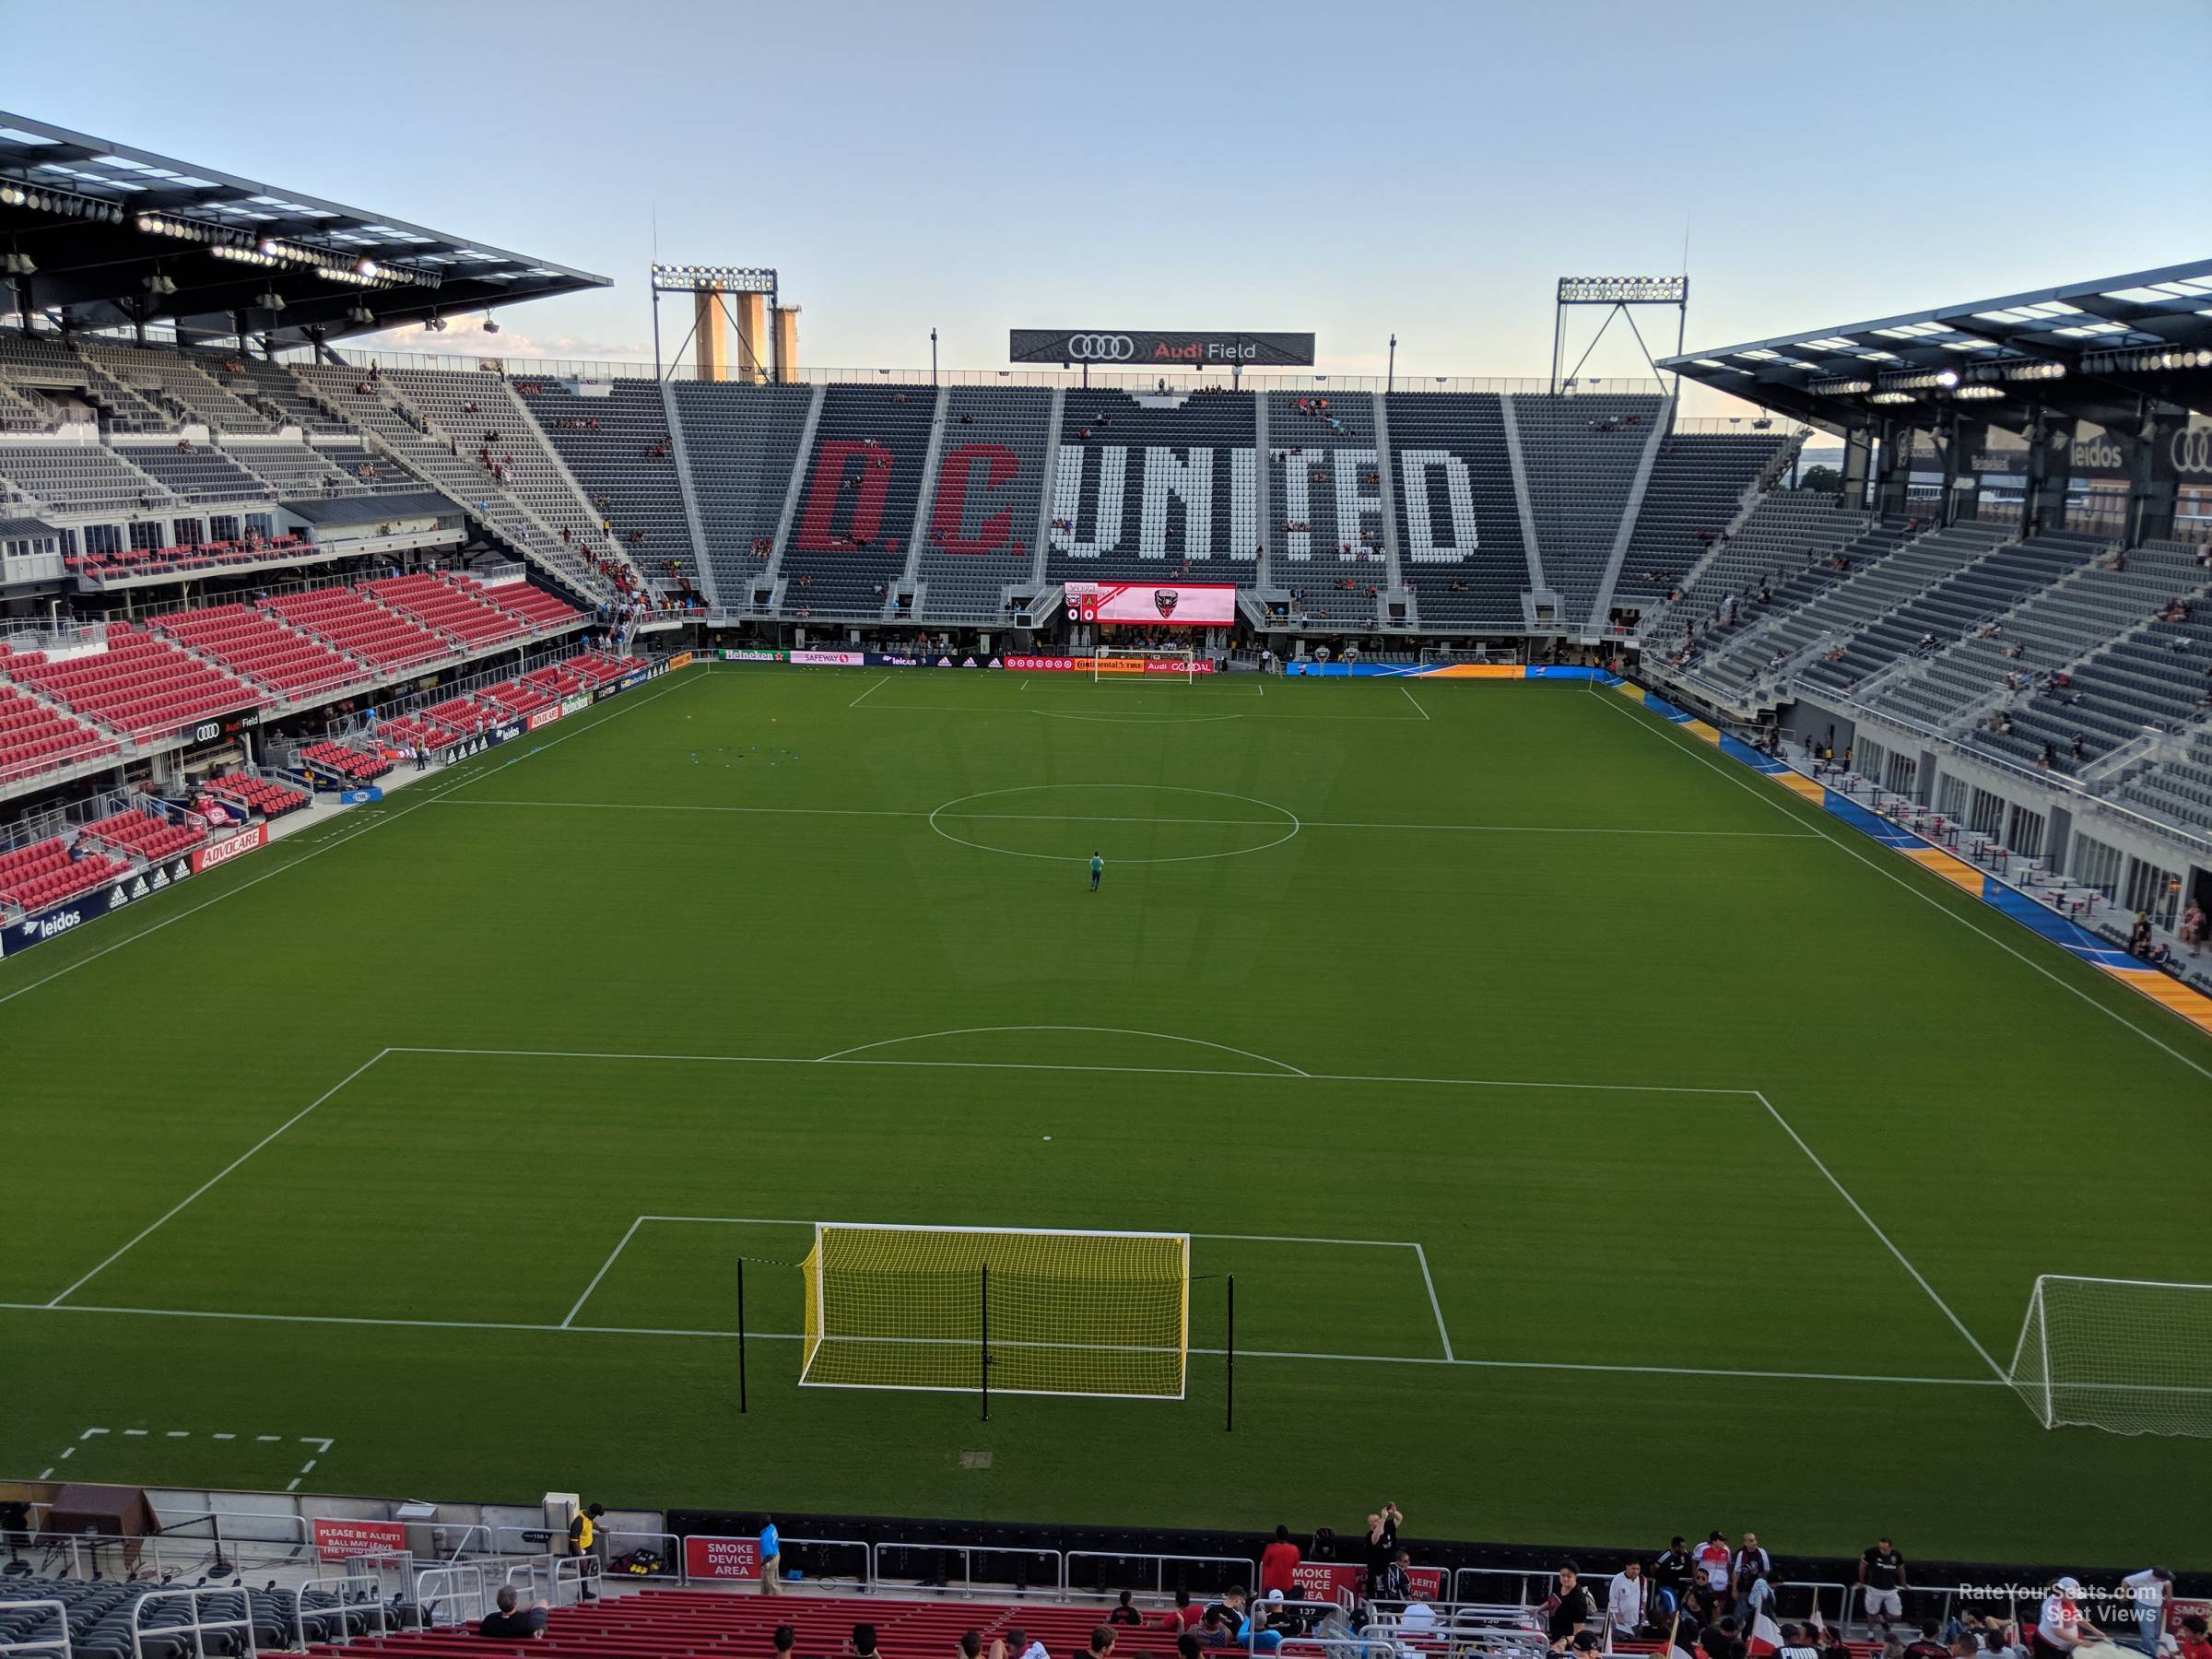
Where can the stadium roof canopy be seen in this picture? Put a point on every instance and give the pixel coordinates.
(115, 236)
(2091, 350)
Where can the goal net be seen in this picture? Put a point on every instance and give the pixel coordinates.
(1061, 1313)
(1149, 664)
(2129, 1355)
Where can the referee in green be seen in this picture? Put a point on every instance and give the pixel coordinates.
(1098, 869)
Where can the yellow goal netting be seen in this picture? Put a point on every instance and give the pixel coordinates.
(1045, 1311)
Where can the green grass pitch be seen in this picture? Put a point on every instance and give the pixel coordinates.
(1604, 1144)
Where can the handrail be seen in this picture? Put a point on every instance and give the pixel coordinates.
(61, 1621)
(967, 1553)
(197, 1623)
(335, 1624)
(461, 1589)
(1159, 1586)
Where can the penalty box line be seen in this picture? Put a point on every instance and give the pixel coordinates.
(1421, 1256)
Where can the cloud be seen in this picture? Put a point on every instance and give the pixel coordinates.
(466, 339)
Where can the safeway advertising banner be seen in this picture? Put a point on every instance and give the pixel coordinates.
(830, 659)
(1179, 604)
(226, 848)
(721, 1557)
(341, 1540)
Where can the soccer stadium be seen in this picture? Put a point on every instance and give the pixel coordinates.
(1360, 995)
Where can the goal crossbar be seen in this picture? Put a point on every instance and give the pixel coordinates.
(1018, 1309)
(2127, 1356)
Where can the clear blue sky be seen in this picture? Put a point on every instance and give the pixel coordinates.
(1349, 168)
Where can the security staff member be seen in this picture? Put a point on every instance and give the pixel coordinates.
(583, 1533)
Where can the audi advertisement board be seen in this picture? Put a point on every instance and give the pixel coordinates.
(1149, 349)
(1177, 603)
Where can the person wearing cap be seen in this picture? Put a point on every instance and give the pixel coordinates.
(2150, 1588)
(2059, 1627)
(1585, 1642)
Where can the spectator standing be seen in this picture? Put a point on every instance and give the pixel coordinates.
(1382, 1544)
(1624, 1599)
(1753, 1570)
(1567, 1611)
(1716, 1567)
(583, 1538)
(771, 1558)
(1279, 1563)
(1882, 1583)
(2149, 1588)
(1669, 1577)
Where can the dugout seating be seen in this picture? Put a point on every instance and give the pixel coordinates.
(518, 696)
(1324, 538)
(1459, 524)
(742, 443)
(270, 799)
(46, 874)
(462, 715)
(857, 506)
(147, 834)
(1145, 485)
(139, 685)
(983, 517)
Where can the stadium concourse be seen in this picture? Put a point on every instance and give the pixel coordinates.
(803, 937)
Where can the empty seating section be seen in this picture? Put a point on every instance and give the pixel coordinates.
(1789, 531)
(270, 387)
(2151, 681)
(856, 504)
(1324, 537)
(139, 685)
(2179, 789)
(295, 472)
(1994, 575)
(344, 761)
(370, 632)
(1459, 523)
(518, 696)
(258, 647)
(147, 834)
(1581, 455)
(24, 412)
(1696, 488)
(80, 477)
(196, 472)
(374, 474)
(598, 667)
(536, 607)
(33, 877)
(471, 409)
(36, 739)
(2059, 626)
(1799, 615)
(1144, 485)
(618, 447)
(268, 798)
(175, 382)
(47, 364)
(440, 603)
(464, 716)
(742, 443)
(982, 516)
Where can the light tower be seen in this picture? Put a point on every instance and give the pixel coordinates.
(722, 297)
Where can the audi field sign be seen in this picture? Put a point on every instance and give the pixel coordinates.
(1141, 348)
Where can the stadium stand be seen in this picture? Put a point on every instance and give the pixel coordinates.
(176, 383)
(1146, 484)
(1581, 456)
(741, 442)
(2151, 682)
(1458, 522)
(618, 447)
(255, 645)
(35, 738)
(1796, 617)
(139, 685)
(356, 765)
(1698, 486)
(1788, 532)
(984, 503)
(448, 606)
(344, 618)
(35, 877)
(60, 369)
(848, 540)
(147, 835)
(540, 610)
(270, 388)
(261, 796)
(193, 472)
(80, 477)
(1326, 540)
(296, 471)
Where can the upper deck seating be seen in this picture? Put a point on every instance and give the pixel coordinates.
(1154, 487)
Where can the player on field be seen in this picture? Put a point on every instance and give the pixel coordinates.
(1098, 869)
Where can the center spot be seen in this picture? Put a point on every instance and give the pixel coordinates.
(1124, 823)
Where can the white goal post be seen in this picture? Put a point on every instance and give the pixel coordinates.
(1013, 1309)
(2127, 1356)
(1148, 663)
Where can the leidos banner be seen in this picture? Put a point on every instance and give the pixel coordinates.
(73, 913)
(721, 1557)
(1145, 349)
(1180, 605)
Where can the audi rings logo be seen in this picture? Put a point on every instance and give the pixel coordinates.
(2193, 449)
(1101, 348)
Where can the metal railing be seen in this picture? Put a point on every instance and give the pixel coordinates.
(57, 1644)
(1076, 1581)
(206, 1613)
(450, 1595)
(352, 1608)
(934, 1561)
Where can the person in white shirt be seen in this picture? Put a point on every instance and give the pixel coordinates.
(2059, 1627)
(2150, 1588)
(1625, 1602)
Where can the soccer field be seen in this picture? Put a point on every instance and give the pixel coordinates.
(1604, 1143)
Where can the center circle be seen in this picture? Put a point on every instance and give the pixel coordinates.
(1089, 816)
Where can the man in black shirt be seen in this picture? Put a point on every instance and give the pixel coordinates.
(1882, 1584)
(1568, 1611)
(1382, 1544)
(507, 1624)
(1670, 1572)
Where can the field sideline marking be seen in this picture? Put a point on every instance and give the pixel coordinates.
(554, 1330)
(183, 1203)
(1666, 728)
(901, 812)
(434, 795)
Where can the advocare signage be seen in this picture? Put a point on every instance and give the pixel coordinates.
(1155, 349)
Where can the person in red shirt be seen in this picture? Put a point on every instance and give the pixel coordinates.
(2195, 1642)
(1187, 1613)
(1279, 1563)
